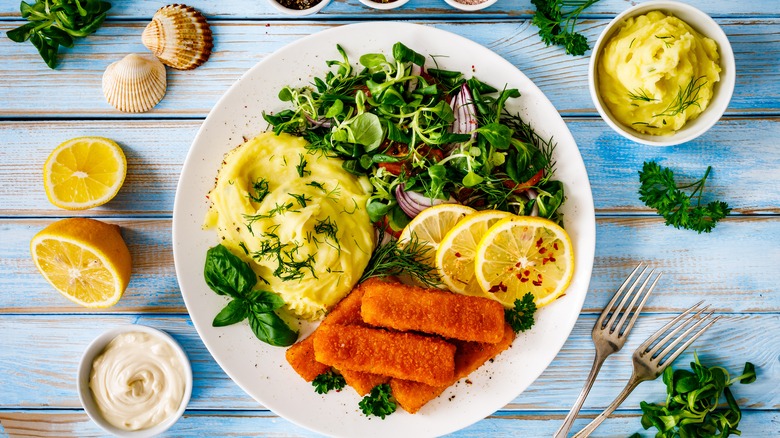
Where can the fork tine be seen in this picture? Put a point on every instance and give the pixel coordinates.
(671, 335)
(684, 346)
(619, 309)
(645, 345)
(641, 303)
(605, 312)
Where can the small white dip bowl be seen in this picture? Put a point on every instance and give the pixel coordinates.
(299, 12)
(722, 92)
(384, 6)
(470, 8)
(96, 347)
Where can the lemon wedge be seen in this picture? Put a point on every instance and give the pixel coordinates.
(457, 250)
(432, 224)
(84, 259)
(84, 172)
(524, 254)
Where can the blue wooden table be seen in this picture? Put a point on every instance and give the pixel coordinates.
(736, 268)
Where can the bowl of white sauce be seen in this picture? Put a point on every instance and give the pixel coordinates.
(134, 381)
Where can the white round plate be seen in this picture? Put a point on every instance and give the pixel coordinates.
(261, 370)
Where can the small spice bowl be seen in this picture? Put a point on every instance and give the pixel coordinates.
(470, 7)
(722, 90)
(298, 12)
(96, 348)
(384, 5)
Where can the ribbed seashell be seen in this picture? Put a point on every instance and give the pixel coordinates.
(180, 36)
(135, 84)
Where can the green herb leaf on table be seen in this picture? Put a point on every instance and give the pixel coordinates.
(521, 316)
(659, 190)
(54, 23)
(693, 397)
(556, 20)
(329, 381)
(379, 402)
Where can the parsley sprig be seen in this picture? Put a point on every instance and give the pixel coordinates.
(658, 190)
(556, 19)
(328, 381)
(379, 402)
(521, 316)
(691, 408)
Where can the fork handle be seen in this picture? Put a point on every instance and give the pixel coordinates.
(632, 383)
(563, 431)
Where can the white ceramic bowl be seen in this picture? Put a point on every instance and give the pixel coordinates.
(299, 12)
(722, 92)
(384, 6)
(85, 368)
(470, 8)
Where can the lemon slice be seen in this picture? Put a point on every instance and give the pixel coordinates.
(524, 254)
(84, 172)
(432, 224)
(455, 256)
(84, 259)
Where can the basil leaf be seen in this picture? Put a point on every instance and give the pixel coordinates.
(269, 328)
(226, 274)
(262, 301)
(235, 311)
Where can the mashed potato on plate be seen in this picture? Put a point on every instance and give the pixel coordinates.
(297, 217)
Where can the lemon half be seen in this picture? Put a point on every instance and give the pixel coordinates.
(84, 172)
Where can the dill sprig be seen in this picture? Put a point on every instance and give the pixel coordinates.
(301, 166)
(301, 198)
(665, 39)
(329, 229)
(278, 209)
(260, 189)
(685, 98)
(289, 266)
(407, 257)
(640, 94)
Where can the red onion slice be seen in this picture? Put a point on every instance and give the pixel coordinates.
(415, 71)
(412, 203)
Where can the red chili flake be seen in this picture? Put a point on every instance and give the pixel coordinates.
(517, 265)
(552, 259)
(539, 242)
(520, 276)
(494, 289)
(544, 261)
(542, 250)
(457, 254)
(523, 280)
(555, 245)
(503, 287)
(526, 272)
(537, 283)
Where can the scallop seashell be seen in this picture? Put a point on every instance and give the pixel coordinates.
(135, 84)
(180, 36)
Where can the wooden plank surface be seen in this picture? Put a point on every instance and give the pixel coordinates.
(742, 152)
(263, 424)
(59, 340)
(729, 267)
(241, 44)
(232, 9)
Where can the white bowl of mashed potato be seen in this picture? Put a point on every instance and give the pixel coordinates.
(662, 73)
(134, 381)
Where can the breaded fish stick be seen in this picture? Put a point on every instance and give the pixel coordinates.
(363, 382)
(301, 357)
(402, 355)
(454, 316)
(469, 356)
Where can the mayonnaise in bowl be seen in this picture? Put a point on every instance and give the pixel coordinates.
(135, 381)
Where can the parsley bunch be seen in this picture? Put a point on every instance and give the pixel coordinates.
(658, 190)
(521, 316)
(556, 19)
(328, 381)
(692, 401)
(379, 402)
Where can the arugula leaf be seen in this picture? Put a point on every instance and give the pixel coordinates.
(379, 402)
(691, 408)
(327, 382)
(226, 274)
(54, 23)
(556, 19)
(658, 190)
(521, 316)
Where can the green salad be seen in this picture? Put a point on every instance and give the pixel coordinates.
(423, 136)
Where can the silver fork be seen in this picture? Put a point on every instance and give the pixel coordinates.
(609, 334)
(649, 362)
